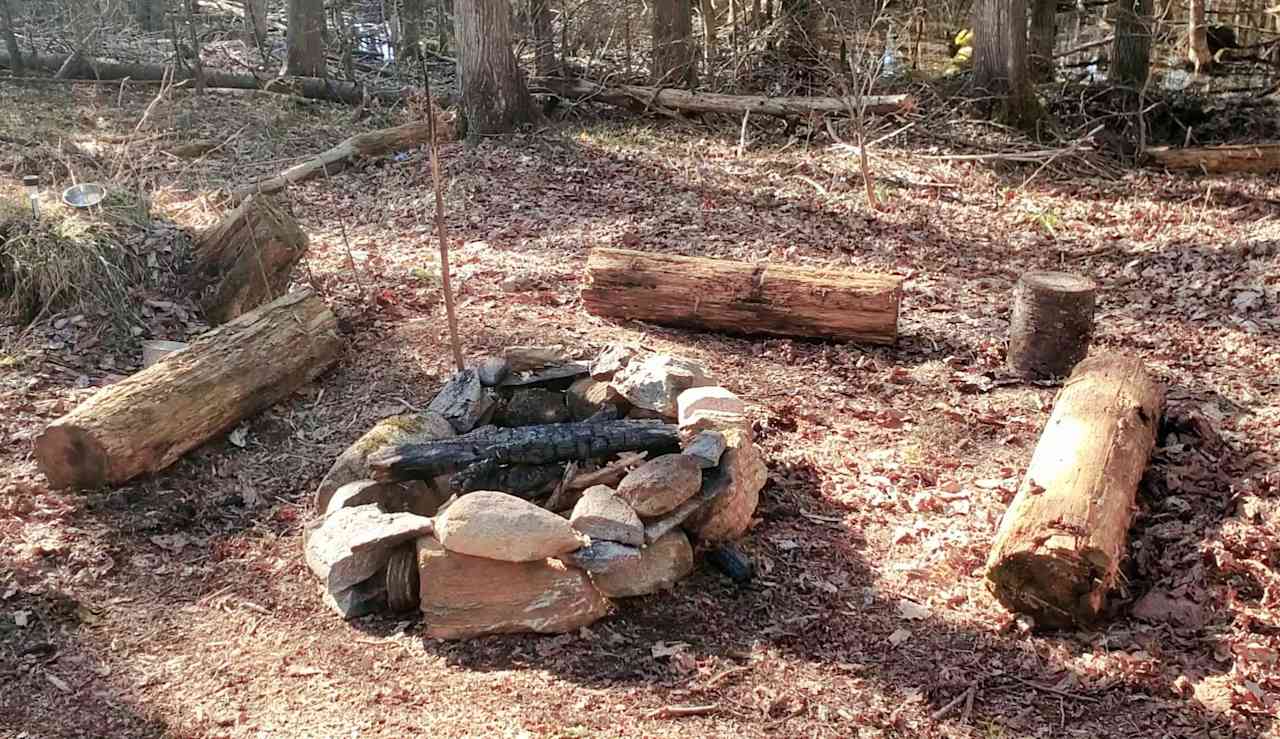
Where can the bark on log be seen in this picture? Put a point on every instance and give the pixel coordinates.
(1248, 158)
(363, 145)
(672, 99)
(742, 298)
(316, 88)
(1060, 544)
(246, 260)
(148, 421)
(1051, 325)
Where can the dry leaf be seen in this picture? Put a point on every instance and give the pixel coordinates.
(912, 611)
(899, 636)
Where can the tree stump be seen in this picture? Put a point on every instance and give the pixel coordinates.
(1051, 325)
(146, 422)
(1059, 546)
(246, 260)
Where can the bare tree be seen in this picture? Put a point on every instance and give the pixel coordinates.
(255, 19)
(1000, 59)
(10, 40)
(544, 51)
(708, 12)
(305, 39)
(494, 96)
(1198, 37)
(674, 60)
(1131, 50)
(411, 14)
(150, 14)
(1044, 36)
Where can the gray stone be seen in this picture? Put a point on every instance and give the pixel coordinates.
(660, 485)
(560, 375)
(526, 358)
(353, 544)
(358, 600)
(602, 515)
(353, 465)
(611, 360)
(410, 496)
(503, 527)
(492, 371)
(601, 557)
(532, 407)
(655, 383)
(587, 397)
(463, 401)
(660, 527)
(706, 447)
(659, 567)
(708, 398)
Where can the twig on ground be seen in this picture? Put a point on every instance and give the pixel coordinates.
(964, 696)
(682, 711)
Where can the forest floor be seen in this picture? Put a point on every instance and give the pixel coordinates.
(180, 605)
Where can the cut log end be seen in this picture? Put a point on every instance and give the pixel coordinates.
(1051, 324)
(1050, 586)
(69, 457)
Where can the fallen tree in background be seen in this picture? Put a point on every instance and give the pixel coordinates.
(1252, 158)
(1059, 547)
(668, 99)
(307, 87)
(146, 422)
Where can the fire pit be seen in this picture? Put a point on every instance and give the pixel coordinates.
(533, 490)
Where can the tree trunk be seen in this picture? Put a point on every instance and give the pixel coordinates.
(1060, 544)
(674, 60)
(10, 40)
(742, 298)
(443, 9)
(1051, 325)
(1000, 60)
(305, 39)
(150, 14)
(1043, 39)
(411, 15)
(1131, 51)
(494, 97)
(255, 16)
(799, 33)
(148, 421)
(1198, 37)
(708, 13)
(544, 51)
(246, 260)
(643, 98)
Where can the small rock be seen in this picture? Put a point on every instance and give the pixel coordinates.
(733, 490)
(656, 528)
(602, 515)
(503, 527)
(463, 401)
(661, 484)
(526, 358)
(611, 361)
(358, 600)
(351, 545)
(532, 407)
(657, 381)
(601, 557)
(411, 496)
(557, 377)
(706, 447)
(353, 464)
(587, 397)
(660, 566)
(492, 371)
(465, 596)
(709, 398)
(519, 284)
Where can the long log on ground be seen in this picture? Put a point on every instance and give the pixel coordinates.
(308, 87)
(246, 260)
(363, 145)
(148, 421)
(526, 445)
(742, 298)
(1060, 544)
(1255, 158)
(641, 98)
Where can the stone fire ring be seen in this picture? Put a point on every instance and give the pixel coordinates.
(531, 536)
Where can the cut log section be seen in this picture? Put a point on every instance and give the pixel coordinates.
(1051, 324)
(1060, 544)
(246, 260)
(742, 298)
(674, 99)
(1256, 158)
(148, 421)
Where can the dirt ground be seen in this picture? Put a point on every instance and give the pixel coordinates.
(179, 605)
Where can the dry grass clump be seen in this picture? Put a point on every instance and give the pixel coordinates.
(67, 259)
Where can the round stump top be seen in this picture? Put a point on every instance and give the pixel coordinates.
(1059, 282)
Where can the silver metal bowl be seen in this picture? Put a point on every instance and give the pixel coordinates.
(84, 195)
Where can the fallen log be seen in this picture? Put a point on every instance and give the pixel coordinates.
(742, 298)
(316, 88)
(246, 259)
(1058, 550)
(526, 445)
(148, 421)
(1255, 158)
(670, 98)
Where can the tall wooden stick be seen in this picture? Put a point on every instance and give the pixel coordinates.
(441, 231)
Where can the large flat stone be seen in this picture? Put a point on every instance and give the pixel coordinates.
(464, 596)
(503, 527)
(655, 382)
(410, 496)
(661, 484)
(660, 566)
(351, 545)
(603, 516)
(353, 464)
(601, 557)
